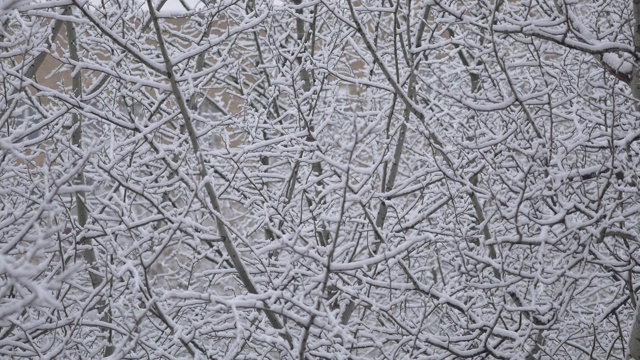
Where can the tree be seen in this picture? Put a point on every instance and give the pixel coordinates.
(441, 179)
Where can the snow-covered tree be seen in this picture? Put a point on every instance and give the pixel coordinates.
(320, 179)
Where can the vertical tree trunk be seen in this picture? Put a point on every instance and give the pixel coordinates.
(81, 200)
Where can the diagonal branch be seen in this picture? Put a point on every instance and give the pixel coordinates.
(236, 260)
